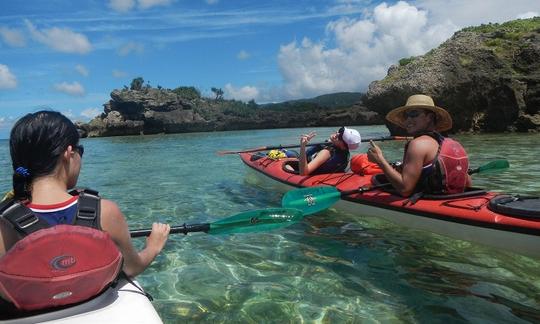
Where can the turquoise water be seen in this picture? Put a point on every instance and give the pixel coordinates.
(330, 268)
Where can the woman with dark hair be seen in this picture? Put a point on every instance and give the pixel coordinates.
(46, 159)
(330, 157)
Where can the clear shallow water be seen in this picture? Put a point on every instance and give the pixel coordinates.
(330, 268)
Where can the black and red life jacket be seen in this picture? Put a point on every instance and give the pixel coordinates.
(448, 173)
(57, 265)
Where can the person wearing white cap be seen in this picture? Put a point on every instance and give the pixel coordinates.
(431, 163)
(330, 157)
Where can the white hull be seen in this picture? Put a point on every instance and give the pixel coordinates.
(521, 243)
(123, 304)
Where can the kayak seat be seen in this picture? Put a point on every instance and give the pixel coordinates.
(291, 167)
(516, 205)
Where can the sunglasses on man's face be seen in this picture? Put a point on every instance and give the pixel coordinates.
(412, 113)
(80, 149)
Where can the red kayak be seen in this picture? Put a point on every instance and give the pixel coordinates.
(502, 221)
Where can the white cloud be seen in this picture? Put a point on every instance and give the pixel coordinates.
(7, 79)
(130, 47)
(245, 93)
(145, 4)
(82, 70)
(12, 37)
(464, 13)
(90, 113)
(529, 14)
(243, 55)
(72, 89)
(122, 5)
(60, 39)
(119, 74)
(211, 2)
(365, 49)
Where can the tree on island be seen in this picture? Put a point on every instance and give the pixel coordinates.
(137, 84)
(218, 92)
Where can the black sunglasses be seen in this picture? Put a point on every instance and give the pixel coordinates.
(79, 148)
(412, 113)
(340, 132)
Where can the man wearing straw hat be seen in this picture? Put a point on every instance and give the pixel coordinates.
(431, 162)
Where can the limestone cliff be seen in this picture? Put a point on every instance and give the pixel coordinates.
(487, 77)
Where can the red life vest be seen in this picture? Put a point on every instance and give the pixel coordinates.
(59, 265)
(449, 171)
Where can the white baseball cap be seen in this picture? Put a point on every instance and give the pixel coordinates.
(351, 137)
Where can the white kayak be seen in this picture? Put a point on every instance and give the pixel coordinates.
(124, 303)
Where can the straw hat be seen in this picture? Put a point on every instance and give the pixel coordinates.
(443, 122)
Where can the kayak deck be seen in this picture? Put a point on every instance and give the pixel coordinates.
(124, 303)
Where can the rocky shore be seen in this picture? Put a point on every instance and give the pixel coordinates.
(154, 111)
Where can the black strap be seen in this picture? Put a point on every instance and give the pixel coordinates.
(21, 217)
(89, 209)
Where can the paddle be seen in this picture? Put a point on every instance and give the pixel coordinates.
(314, 199)
(267, 148)
(249, 221)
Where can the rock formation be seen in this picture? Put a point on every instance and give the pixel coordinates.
(487, 77)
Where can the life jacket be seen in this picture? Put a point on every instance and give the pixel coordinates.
(361, 165)
(336, 163)
(448, 172)
(61, 264)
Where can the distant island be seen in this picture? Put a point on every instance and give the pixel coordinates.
(487, 77)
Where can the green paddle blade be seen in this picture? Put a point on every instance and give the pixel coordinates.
(311, 200)
(494, 165)
(257, 221)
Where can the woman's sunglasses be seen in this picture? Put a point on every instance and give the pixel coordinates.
(79, 148)
(412, 113)
(340, 132)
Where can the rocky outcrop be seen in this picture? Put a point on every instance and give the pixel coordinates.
(154, 111)
(487, 77)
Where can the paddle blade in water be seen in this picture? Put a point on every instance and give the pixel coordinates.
(257, 221)
(494, 165)
(311, 200)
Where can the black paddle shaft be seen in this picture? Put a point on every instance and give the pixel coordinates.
(364, 189)
(184, 229)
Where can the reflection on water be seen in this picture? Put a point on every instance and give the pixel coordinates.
(332, 267)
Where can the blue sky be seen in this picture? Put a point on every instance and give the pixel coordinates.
(69, 55)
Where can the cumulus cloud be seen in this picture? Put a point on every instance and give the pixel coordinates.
(60, 39)
(82, 70)
(243, 55)
(7, 79)
(465, 13)
(245, 93)
(90, 113)
(364, 50)
(130, 47)
(122, 5)
(12, 37)
(528, 14)
(72, 89)
(145, 4)
(119, 74)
